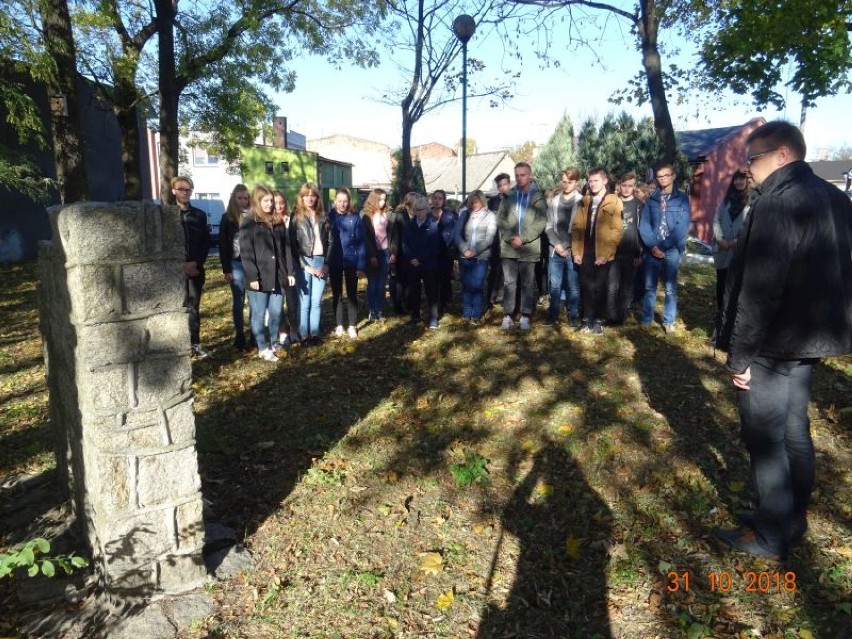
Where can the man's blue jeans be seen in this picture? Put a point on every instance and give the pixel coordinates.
(776, 432)
(667, 269)
(564, 277)
(261, 303)
(310, 297)
(473, 272)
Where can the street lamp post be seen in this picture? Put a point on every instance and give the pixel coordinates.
(464, 27)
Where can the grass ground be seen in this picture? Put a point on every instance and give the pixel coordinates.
(469, 483)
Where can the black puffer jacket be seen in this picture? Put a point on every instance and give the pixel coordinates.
(266, 255)
(789, 287)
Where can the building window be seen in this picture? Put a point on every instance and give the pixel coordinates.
(200, 157)
(270, 167)
(285, 167)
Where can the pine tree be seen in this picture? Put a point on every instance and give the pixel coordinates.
(556, 155)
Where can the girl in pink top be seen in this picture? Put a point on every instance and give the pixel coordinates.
(375, 219)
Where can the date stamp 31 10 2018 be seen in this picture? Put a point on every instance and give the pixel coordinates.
(761, 582)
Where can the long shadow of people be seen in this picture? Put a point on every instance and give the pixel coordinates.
(563, 529)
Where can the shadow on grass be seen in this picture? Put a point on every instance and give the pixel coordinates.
(560, 583)
(256, 442)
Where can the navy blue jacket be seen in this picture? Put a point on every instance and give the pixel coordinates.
(423, 243)
(347, 241)
(677, 217)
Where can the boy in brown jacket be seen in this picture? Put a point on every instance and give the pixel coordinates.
(595, 235)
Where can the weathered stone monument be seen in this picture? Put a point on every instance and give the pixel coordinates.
(117, 351)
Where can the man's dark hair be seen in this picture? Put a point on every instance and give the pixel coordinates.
(630, 175)
(664, 165)
(773, 135)
(598, 170)
(524, 165)
(502, 176)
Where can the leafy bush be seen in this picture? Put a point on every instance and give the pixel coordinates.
(33, 556)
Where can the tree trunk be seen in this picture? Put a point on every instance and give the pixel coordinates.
(68, 151)
(169, 97)
(648, 25)
(405, 166)
(803, 116)
(127, 114)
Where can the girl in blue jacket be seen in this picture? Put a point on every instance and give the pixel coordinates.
(347, 259)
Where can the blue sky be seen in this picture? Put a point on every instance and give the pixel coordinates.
(579, 87)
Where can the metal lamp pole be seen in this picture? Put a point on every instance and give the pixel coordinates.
(464, 27)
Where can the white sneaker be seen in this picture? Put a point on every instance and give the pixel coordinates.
(268, 355)
(525, 323)
(338, 332)
(507, 323)
(352, 332)
(199, 352)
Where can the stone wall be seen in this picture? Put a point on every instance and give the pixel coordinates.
(117, 352)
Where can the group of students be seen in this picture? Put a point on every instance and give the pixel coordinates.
(600, 250)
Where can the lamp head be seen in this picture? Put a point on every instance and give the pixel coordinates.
(464, 27)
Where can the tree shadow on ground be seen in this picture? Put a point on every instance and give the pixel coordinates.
(255, 443)
(560, 584)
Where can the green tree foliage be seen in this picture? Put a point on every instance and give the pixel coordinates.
(216, 62)
(18, 59)
(619, 144)
(754, 45)
(556, 155)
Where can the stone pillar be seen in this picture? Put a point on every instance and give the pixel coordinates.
(117, 352)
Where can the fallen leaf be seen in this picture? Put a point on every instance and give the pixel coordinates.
(431, 563)
(565, 429)
(736, 486)
(445, 601)
(572, 547)
(389, 596)
(804, 633)
(543, 489)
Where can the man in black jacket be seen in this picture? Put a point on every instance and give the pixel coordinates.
(197, 244)
(788, 302)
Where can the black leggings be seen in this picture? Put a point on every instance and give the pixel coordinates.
(336, 278)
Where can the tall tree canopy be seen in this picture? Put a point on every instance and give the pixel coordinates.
(645, 20)
(216, 62)
(761, 47)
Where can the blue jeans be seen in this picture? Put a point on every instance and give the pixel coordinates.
(310, 297)
(564, 276)
(776, 432)
(261, 303)
(238, 293)
(654, 268)
(376, 282)
(473, 272)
